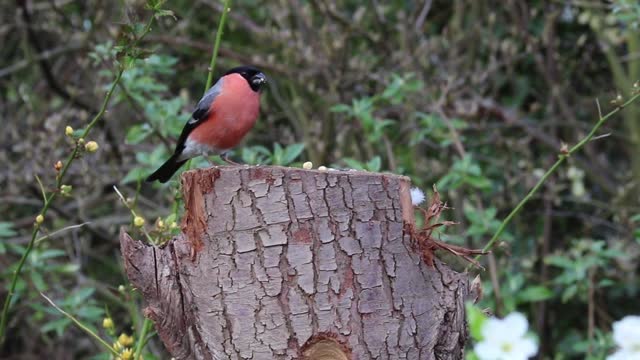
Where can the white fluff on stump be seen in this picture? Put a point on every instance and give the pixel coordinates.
(286, 263)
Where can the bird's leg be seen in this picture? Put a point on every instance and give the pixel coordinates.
(225, 157)
(206, 156)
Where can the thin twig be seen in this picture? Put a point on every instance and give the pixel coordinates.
(216, 45)
(590, 313)
(62, 230)
(141, 338)
(81, 326)
(561, 158)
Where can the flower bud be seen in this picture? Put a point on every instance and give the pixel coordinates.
(117, 346)
(307, 165)
(125, 340)
(68, 131)
(39, 219)
(58, 165)
(65, 189)
(138, 221)
(91, 146)
(107, 323)
(127, 354)
(322, 168)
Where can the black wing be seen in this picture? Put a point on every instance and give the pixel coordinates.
(200, 114)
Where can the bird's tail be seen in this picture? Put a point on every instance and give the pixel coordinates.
(166, 171)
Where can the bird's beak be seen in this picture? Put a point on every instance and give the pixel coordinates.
(259, 79)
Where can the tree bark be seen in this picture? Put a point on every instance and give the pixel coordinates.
(284, 263)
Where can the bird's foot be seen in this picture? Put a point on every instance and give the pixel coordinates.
(225, 157)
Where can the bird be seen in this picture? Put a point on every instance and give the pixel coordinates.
(221, 119)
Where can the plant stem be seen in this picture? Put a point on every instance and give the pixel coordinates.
(561, 158)
(216, 44)
(141, 339)
(49, 199)
(81, 326)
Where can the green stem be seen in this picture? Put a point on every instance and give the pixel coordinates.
(82, 326)
(49, 199)
(216, 44)
(561, 159)
(141, 339)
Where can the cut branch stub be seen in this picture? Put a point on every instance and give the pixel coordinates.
(279, 263)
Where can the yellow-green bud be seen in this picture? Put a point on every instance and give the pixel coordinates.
(173, 225)
(107, 323)
(160, 224)
(68, 131)
(127, 354)
(39, 219)
(138, 221)
(121, 288)
(307, 165)
(125, 340)
(81, 141)
(91, 146)
(117, 346)
(65, 189)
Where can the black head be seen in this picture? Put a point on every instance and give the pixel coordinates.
(254, 77)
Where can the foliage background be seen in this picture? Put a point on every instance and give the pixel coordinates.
(475, 96)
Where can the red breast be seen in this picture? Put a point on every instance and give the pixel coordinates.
(232, 114)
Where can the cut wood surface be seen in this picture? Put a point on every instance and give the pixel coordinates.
(285, 263)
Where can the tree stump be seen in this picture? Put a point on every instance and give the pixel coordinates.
(285, 263)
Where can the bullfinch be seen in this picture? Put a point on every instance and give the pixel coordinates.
(224, 115)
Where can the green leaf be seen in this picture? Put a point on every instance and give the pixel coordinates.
(340, 108)
(38, 258)
(6, 229)
(162, 13)
(471, 356)
(67, 268)
(291, 152)
(90, 312)
(79, 297)
(77, 133)
(476, 319)
(354, 164)
(137, 133)
(534, 293)
(374, 164)
(56, 325)
(38, 281)
(559, 261)
(569, 292)
(278, 154)
(134, 175)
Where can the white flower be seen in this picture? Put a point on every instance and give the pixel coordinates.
(505, 339)
(626, 334)
(417, 196)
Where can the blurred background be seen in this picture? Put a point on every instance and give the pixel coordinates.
(475, 96)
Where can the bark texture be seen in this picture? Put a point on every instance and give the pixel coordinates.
(281, 263)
